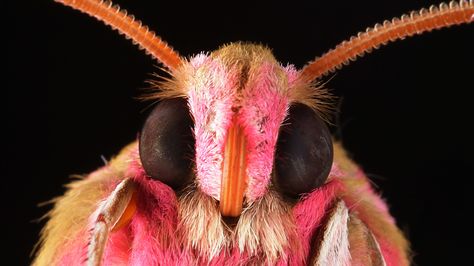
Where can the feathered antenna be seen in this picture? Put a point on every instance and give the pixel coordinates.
(127, 25)
(397, 29)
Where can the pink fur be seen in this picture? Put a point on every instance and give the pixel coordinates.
(210, 89)
(292, 74)
(151, 237)
(310, 212)
(117, 251)
(153, 226)
(75, 252)
(263, 109)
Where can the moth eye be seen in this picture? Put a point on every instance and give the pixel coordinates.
(304, 152)
(166, 143)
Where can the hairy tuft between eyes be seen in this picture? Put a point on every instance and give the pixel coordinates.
(265, 229)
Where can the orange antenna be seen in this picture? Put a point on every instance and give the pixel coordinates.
(127, 25)
(397, 29)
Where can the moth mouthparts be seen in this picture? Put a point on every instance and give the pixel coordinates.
(234, 176)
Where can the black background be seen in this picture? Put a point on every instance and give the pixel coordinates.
(405, 112)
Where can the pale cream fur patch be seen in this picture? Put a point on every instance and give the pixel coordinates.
(265, 228)
(333, 247)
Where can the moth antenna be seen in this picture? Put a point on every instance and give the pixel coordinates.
(133, 29)
(381, 34)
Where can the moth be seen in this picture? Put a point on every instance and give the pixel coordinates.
(234, 165)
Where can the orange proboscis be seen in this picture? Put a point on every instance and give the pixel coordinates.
(127, 213)
(234, 176)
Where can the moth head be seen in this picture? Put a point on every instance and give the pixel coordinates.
(240, 130)
(241, 123)
(235, 122)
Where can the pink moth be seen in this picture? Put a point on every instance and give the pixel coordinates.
(252, 176)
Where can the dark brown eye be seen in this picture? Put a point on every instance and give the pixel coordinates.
(304, 152)
(167, 143)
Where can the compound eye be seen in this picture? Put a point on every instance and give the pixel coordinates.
(304, 152)
(166, 143)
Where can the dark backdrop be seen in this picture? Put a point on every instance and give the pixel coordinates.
(405, 110)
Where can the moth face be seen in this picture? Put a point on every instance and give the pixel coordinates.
(237, 130)
(235, 134)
